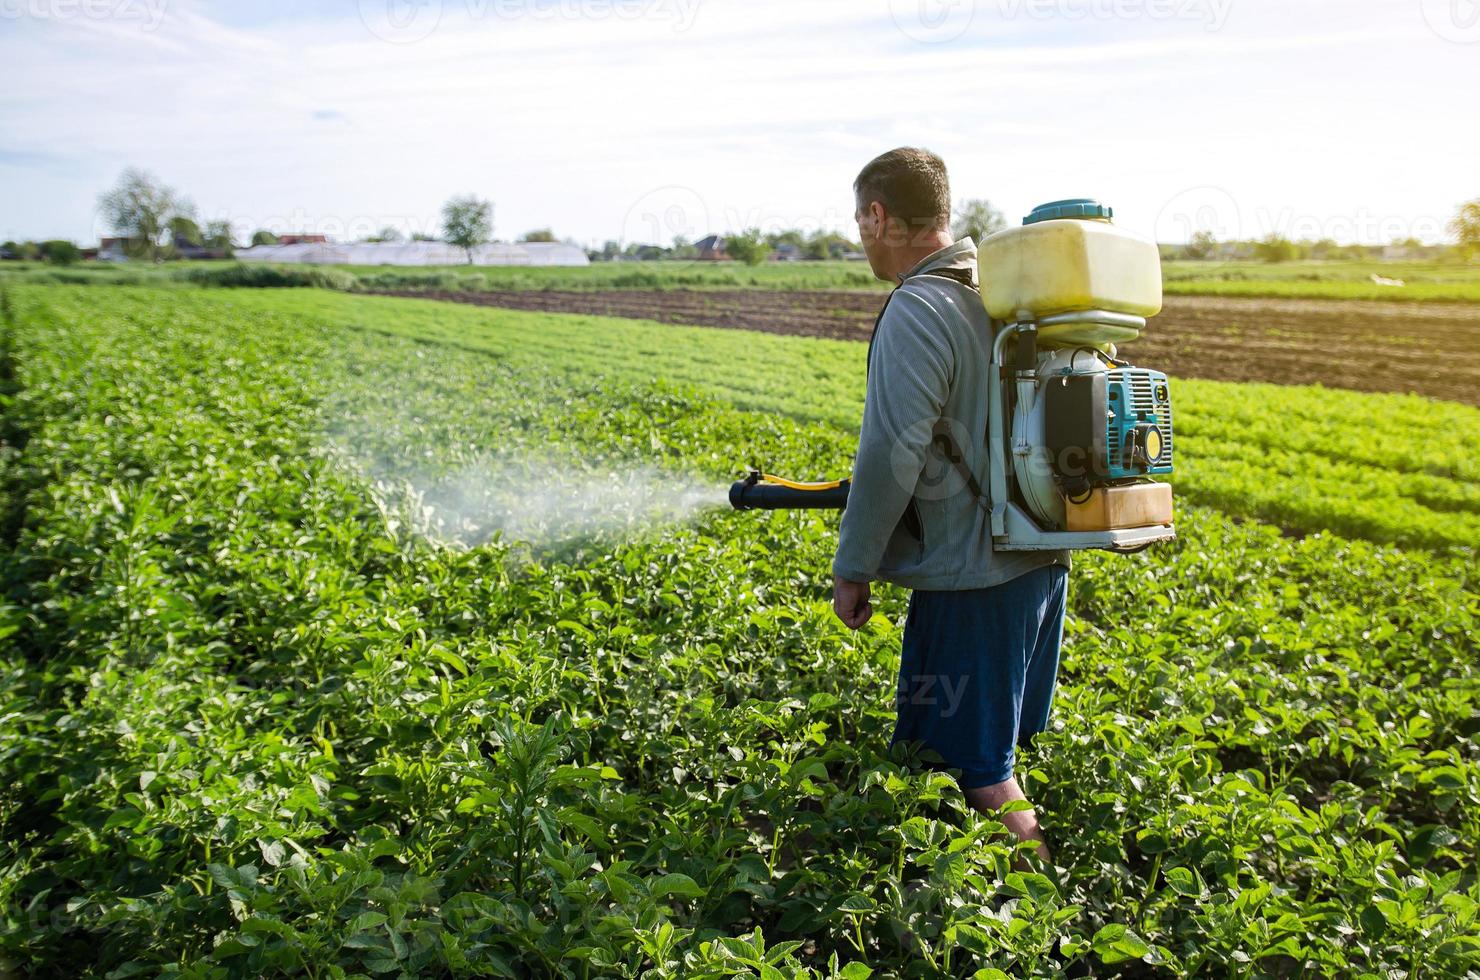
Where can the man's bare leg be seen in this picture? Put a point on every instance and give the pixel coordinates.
(1023, 823)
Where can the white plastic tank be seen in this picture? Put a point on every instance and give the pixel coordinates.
(1068, 257)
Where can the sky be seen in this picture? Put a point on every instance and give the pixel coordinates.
(638, 120)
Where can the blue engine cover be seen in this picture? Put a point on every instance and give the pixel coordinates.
(1136, 400)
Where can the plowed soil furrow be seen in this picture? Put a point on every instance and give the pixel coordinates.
(1426, 348)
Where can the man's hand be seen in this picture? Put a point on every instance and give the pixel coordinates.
(850, 602)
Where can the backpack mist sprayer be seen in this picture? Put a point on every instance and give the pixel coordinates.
(1075, 433)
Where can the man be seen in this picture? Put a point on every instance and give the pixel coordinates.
(981, 641)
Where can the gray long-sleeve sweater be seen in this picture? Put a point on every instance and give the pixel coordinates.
(911, 519)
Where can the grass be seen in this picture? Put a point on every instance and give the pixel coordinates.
(1423, 281)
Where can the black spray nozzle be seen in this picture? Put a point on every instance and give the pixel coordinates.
(758, 491)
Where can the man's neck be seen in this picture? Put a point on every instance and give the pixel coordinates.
(906, 259)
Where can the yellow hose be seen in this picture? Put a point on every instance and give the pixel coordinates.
(793, 484)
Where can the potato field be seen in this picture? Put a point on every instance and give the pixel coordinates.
(348, 635)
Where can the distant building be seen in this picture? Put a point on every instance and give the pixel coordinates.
(120, 249)
(711, 249)
(787, 252)
(303, 240)
(417, 253)
(1411, 252)
(186, 249)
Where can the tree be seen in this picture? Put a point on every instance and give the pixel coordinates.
(60, 252)
(683, 248)
(390, 234)
(748, 247)
(1324, 248)
(140, 207)
(829, 245)
(1275, 247)
(264, 237)
(977, 219)
(1202, 245)
(467, 222)
(218, 235)
(184, 229)
(538, 235)
(1465, 227)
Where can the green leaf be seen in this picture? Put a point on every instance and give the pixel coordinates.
(808, 768)
(126, 817)
(223, 875)
(272, 852)
(669, 885)
(366, 921)
(1182, 881)
(857, 904)
(1115, 943)
(738, 949)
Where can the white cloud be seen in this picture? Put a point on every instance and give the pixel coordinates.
(568, 113)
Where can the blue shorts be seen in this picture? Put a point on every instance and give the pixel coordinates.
(976, 677)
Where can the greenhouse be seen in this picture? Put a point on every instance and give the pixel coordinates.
(417, 253)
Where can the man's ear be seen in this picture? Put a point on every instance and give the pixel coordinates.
(879, 220)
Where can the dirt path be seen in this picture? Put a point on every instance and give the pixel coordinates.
(1426, 348)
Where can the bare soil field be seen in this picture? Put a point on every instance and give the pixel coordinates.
(1428, 349)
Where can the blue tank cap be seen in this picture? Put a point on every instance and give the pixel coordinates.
(1071, 207)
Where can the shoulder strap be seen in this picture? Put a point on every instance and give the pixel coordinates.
(941, 436)
(873, 334)
(962, 276)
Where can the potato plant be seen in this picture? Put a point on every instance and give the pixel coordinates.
(1399, 469)
(262, 719)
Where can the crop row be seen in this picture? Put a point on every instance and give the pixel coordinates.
(258, 721)
(1389, 468)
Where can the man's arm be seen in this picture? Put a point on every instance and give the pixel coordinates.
(908, 383)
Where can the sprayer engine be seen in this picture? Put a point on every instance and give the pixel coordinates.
(1093, 432)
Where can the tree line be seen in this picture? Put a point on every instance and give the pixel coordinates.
(155, 221)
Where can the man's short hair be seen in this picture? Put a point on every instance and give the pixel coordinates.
(912, 185)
